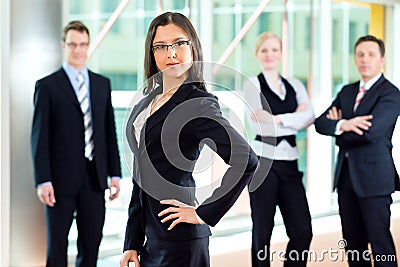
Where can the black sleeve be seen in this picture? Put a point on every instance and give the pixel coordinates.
(40, 138)
(326, 126)
(233, 149)
(384, 112)
(114, 164)
(134, 234)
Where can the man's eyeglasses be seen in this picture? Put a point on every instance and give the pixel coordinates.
(177, 46)
(75, 45)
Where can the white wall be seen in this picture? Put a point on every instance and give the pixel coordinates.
(4, 134)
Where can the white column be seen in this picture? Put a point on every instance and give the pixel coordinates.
(34, 51)
(345, 41)
(205, 29)
(319, 151)
(4, 134)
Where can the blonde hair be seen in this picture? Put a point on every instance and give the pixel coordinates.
(264, 36)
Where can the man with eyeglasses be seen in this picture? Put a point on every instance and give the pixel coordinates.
(74, 150)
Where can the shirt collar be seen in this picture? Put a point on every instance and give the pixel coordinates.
(72, 72)
(368, 85)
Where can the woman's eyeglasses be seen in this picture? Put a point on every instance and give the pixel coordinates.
(177, 46)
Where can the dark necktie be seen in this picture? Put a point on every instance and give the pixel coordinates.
(83, 98)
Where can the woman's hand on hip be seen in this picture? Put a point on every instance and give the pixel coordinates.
(180, 213)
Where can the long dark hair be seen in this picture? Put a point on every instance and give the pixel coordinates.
(150, 67)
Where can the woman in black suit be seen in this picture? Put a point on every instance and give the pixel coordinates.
(166, 132)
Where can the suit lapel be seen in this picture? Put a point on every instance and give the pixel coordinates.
(95, 94)
(369, 96)
(65, 84)
(137, 109)
(348, 99)
(157, 117)
(178, 97)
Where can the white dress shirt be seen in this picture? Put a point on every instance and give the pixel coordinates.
(140, 121)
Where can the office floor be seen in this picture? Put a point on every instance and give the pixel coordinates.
(327, 236)
(109, 261)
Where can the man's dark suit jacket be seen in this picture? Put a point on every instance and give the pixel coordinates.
(370, 160)
(164, 157)
(57, 138)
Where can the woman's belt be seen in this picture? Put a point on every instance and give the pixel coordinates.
(275, 140)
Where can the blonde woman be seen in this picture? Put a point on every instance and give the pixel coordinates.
(279, 108)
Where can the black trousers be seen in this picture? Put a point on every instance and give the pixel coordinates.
(365, 220)
(281, 187)
(187, 253)
(88, 207)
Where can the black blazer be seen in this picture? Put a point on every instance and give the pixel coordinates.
(170, 144)
(57, 138)
(371, 165)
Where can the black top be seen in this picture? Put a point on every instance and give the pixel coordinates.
(273, 102)
(275, 105)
